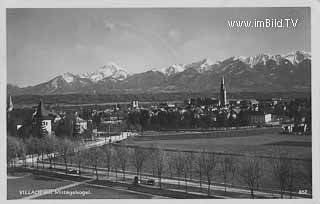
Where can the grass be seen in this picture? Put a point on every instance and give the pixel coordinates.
(28, 182)
(264, 144)
(34, 180)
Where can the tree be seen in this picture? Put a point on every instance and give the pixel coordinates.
(199, 167)
(65, 148)
(185, 170)
(96, 156)
(178, 165)
(280, 170)
(32, 145)
(190, 162)
(209, 164)
(170, 164)
(139, 157)
(292, 174)
(15, 149)
(122, 153)
(250, 171)
(308, 172)
(50, 146)
(227, 169)
(159, 158)
(108, 154)
(81, 156)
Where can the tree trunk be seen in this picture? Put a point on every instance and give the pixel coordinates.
(116, 175)
(42, 160)
(79, 168)
(200, 180)
(185, 181)
(50, 161)
(32, 160)
(96, 172)
(66, 165)
(252, 194)
(225, 183)
(160, 184)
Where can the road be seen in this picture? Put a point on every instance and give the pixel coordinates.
(117, 177)
(130, 175)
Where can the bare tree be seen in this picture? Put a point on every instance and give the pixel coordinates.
(122, 153)
(65, 148)
(159, 158)
(185, 170)
(139, 157)
(209, 164)
(190, 162)
(81, 156)
(152, 157)
(280, 171)
(308, 171)
(170, 164)
(96, 156)
(292, 174)
(199, 167)
(250, 171)
(30, 149)
(108, 154)
(15, 149)
(115, 164)
(50, 146)
(178, 165)
(227, 169)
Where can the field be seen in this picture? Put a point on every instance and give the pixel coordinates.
(297, 146)
(28, 181)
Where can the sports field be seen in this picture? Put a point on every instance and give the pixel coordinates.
(297, 146)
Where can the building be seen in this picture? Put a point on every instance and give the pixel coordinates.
(41, 121)
(135, 104)
(223, 94)
(259, 118)
(80, 125)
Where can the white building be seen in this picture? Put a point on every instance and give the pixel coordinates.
(259, 118)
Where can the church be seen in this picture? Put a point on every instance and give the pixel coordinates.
(222, 94)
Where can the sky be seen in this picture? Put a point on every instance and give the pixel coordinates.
(43, 43)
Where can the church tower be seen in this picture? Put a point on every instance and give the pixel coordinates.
(223, 94)
(41, 121)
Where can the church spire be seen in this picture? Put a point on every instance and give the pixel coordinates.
(223, 93)
(10, 106)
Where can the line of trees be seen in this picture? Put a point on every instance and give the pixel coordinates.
(205, 168)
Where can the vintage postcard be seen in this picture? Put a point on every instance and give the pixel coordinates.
(159, 102)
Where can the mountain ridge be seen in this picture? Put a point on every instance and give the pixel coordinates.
(285, 72)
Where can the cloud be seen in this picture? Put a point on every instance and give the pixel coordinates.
(174, 34)
(109, 26)
(144, 33)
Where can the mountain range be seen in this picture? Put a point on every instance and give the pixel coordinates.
(260, 73)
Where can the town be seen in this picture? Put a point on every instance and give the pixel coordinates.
(53, 137)
(85, 122)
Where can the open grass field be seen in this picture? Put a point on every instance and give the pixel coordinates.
(28, 181)
(297, 146)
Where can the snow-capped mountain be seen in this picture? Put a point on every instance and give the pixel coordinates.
(172, 70)
(200, 66)
(111, 70)
(294, 57)
(262, 72)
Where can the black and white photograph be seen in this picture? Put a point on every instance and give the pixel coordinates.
(159, 103)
